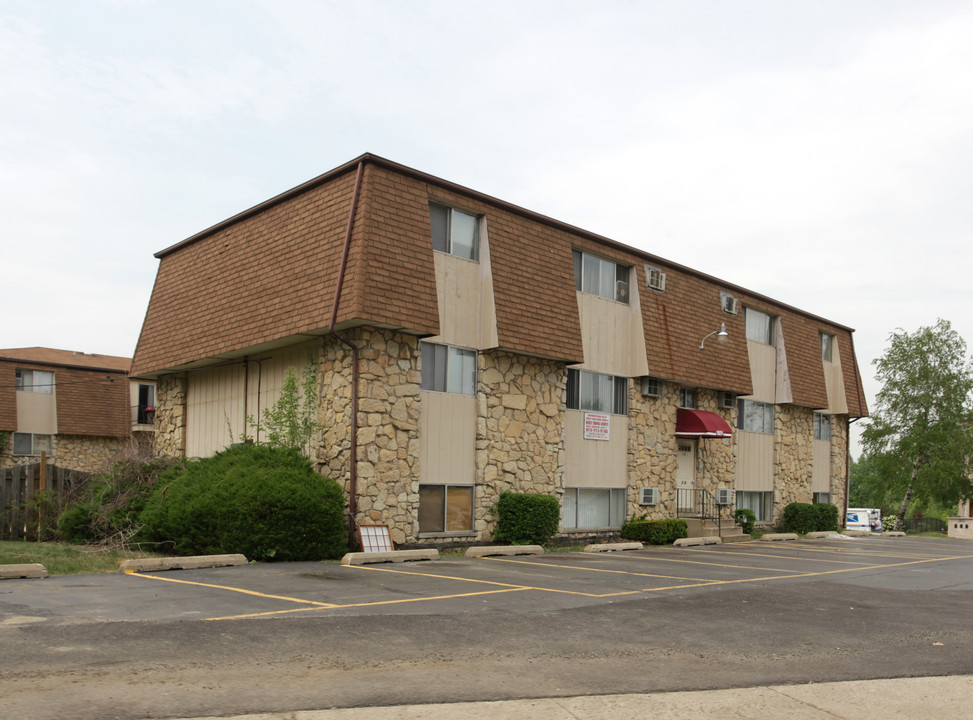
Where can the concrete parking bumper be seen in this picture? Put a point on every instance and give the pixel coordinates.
(394, 556)
(487, 550)
(181, 563)
(24, 570)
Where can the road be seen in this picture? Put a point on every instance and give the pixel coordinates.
(319, 635)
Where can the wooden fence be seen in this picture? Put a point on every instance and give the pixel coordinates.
(31, 496)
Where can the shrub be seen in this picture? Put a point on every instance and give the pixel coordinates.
(745, 519)
(106, 508)
(803, 518)
(266, 503)
(526, 518)
(655, 532)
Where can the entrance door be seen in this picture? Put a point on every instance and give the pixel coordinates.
(686, 476)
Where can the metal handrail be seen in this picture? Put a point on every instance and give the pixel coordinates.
(701, 504)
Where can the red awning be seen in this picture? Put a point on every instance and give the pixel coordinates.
(700, 423)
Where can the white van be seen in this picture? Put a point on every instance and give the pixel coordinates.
(865, 519)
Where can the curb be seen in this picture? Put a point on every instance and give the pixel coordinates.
(691, 542)
(394, 556)
(181, 563)
(486, 550)
(25, 570)
(613, 547)
(772, 537)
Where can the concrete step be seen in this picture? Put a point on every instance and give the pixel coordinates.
(728, 530)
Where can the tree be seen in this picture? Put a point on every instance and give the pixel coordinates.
(920, 435)
(290, 422)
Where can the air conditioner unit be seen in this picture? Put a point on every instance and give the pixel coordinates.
(730, 304)
(651, 387)
(728, 400)
(648, 496)
(724, 496)
(621, 291)
(655, 278)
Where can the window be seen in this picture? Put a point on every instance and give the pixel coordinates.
(762, 503)
(827, 346)
(448, 369)
(145, 411)
(597, 392)
(445, 508)
(604, 278)
(31, 444)
(821, 497)
(822, 426)
(753, 416)
(760, 326)
(593, 508)
(39, 381)
(455, 232)
(687, 398)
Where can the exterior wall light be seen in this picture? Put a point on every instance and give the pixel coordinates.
(721, 335)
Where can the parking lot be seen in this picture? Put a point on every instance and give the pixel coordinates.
(286, 636)
(489, 584)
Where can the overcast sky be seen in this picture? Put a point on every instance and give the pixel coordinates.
(816, 152)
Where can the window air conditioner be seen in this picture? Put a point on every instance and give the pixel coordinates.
(650, 387)
(728, 400)
(648, 496)
(724, 496)
(730, 304)
(621, 291)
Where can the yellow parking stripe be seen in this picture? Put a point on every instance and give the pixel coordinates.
(231, 589)
(369, 604)
(601, 570)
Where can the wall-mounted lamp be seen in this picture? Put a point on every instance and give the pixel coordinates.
(721, 335)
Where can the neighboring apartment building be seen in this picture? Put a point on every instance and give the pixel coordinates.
(78, 409)
(466, 346)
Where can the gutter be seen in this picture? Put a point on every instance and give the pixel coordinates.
(353, 460)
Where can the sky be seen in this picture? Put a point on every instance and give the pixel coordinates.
(818, 152)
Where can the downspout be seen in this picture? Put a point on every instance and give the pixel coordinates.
(353, 460)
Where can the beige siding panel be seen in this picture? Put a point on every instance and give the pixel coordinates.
(447, 432)
(612, 335)
(214, 410)
(782, 380)
(37, 412)
(763, 371)
(755, 461)
(595, 463)
(821, 466)
(835, 384)
(265, 378)
(464, 291)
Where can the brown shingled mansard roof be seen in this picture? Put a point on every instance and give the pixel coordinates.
(267, 276)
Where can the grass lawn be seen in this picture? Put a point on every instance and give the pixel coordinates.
(61, 559)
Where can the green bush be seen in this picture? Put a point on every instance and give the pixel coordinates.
(526, 518)
(266, 503)
(655, 532)
(745, 519)
(803, 518)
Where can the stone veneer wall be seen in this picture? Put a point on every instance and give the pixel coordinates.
(839, 462)
(652, 457)
(170, 415)
(520, 405)
(718, 455)
(388, 426)
(793, 455)
(89, 454)
(653, 449)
